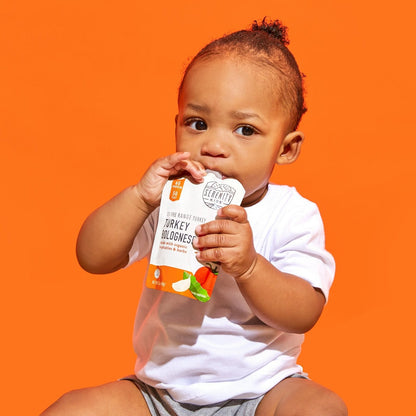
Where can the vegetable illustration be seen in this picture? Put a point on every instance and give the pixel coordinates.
(206, 277)
(201, 284)
(198, 291)
(182, 285)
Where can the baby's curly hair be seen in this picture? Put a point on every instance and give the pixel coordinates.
(265, 43)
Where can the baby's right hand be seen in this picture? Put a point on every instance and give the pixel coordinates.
(150, 187)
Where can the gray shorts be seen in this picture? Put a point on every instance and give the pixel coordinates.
(161, 404)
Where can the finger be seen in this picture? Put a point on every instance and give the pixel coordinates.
(216, 254)
(195, 169)
(165, 166)
(234, 213)
(220, 226)
(177, 163)
(215, 240)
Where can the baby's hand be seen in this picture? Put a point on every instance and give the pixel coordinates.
(228, 240)
(150, 187)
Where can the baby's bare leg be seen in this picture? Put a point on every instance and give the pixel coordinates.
(297, 396)
(117, 398)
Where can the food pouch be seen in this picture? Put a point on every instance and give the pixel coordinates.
(173, 265)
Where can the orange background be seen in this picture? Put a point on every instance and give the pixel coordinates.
(88, 91)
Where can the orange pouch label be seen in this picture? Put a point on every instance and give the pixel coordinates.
(176, 189)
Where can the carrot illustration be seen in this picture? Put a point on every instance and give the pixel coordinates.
(206, 277)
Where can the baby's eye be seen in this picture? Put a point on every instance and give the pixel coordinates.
(246, 130)
(197, 124)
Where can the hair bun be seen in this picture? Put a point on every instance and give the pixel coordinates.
(273, 28)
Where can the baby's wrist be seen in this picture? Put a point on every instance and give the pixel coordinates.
(248, 273)
(140, 200)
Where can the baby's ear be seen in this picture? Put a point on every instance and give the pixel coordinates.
(290, 148)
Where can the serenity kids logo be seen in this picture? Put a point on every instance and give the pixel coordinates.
(217, 195)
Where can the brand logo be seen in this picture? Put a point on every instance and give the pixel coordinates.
(217, 195)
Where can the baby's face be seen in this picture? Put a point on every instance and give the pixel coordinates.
(230, 120)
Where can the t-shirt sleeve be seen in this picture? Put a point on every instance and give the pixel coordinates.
(300, 247)
(143, 241)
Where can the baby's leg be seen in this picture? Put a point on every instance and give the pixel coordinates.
(298, 396)
(117, 398)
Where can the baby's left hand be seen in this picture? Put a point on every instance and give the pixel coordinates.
(228, 240)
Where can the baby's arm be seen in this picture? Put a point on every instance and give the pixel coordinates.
(281, 300)
(107, 235)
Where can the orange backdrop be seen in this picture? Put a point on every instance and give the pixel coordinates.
(88, 91)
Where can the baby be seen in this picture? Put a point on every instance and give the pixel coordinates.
(239, 106)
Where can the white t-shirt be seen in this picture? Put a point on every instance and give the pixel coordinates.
(204, 353)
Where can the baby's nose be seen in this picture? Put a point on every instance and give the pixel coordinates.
(215, 147)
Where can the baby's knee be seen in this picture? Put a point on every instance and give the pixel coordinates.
(328, 404)
(296, 397)
(81, 402)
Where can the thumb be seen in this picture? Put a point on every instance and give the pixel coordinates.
(234, 213)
